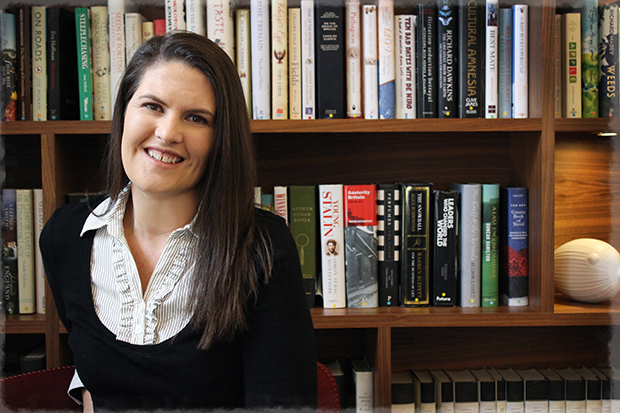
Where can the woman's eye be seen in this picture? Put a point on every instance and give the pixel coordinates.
(197, 119)
(152, 106)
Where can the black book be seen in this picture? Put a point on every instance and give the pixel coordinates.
(486, 386)
(388, 236)
(465, 387)
(24, 75)
(555, 385)
(514, 386)
(427, 61)
(593, 383)
(535, 384)
(445, 248)
(470, 57)
(574, 384)
(447, 67)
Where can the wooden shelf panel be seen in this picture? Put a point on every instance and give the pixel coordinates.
(592, 125)
(23, 324)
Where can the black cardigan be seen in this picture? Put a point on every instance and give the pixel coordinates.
(272, 364)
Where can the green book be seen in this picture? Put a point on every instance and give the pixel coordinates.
(489, 269)
(303, 225)
(589, 59)
(82, 27)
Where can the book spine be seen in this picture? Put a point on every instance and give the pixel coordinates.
(514, 246)
(520, 66)
(406, 74)
(280, 198)
(10, 299)
(363, 382)
(39, 222)
(24, 48)
(353, 42)
(116, 18)
(505, 63)
(82, 27)
(303, 224)
(333, 284)
(469, 237)
(133, 33)
(8, 48)
(360, 237)
(39, 64)
(491, 99)
(307, 68)
(330, 59)
(53, 63)
(388, 244)
(261, 68)
(558, 66)
(160, 27)
(447, 45)
(101, 62)
(427, 55)
(279, 60)
(470, 59)
(445, 250)
(589, 59)
(387, 56)
(196, 16)
(571, 65)
(220, 25)
(294, 63)
(608, 61)
(371, 58)
(175, 15)
(244, 55)
(25, 251)
(415, 262)
(489, 269)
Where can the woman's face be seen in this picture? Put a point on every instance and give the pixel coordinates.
(168, 130)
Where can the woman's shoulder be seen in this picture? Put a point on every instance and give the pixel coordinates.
(68, 217)
(276, 229)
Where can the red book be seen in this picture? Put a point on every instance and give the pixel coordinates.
(160, 27)
(360, 202)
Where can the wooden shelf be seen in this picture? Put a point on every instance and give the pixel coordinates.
(593, 125)
(23, 324)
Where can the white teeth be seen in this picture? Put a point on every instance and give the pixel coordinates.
(163, 158)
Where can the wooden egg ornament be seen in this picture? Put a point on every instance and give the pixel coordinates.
(587, 270)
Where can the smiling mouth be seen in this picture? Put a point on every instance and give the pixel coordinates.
(162, 157)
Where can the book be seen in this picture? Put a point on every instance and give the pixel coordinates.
(244, 55)
(39, 221)
(25, 251)
(338, 370)
(34, 359)
(444, 392)
(608, 60)
(10, 300)
(333, 285)
(504, 69)
(491, 76)
(24, 66)
(82, 28)
(605, 390)
(360, 238)
(406, 67)
(489, 268)
(196, 16)
(220, 25)
(39, 63)
(279, 59)
(116, 13)
(416, 244)
(294, 64)
(500, 390)
(465, 391)
(8, 47)
(558, 66)
(148, 31)
(593, 390)
(388, 243)
(261, 67)
(387, 58)
(330, 59)
(447, 67)
(486, 390)
(470, 242)
(280, 198)
(427, 60)
(513, 278)
(424, 388)
(159, 26)
(571, 65)
(362, 375)
(175, 15)
(536, 391)
(589, 59)
(303, 225)
(556, 391)
(307, 65)
(353, 64)
(520, 65)
(101, 62)
(133, 33)
(469, 58)
(370, 71)
(575, 387)
(445, 248)
(403, 392)
(515, 391)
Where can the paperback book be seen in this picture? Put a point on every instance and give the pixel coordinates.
(331, 226)
(388, 235)
(513, 280)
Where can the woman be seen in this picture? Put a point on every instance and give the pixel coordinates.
(175, 290)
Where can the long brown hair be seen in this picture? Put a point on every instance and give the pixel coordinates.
(233, 250)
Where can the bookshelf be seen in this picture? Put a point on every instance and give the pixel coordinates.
(572, 175)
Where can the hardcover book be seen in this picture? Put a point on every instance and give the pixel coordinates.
(513, 279)
(261, 62)
(331, 226)
(117, 10)
(388, 237)
(148, 32)
(500, 390)
(589, 59)
(593, 389)
(133, 33)
(491, 100)
(10, 299)
(520, 65)
(424, 391)
(416, 245)
(362, 375)
(85, 85)
(360, 237)
(465, 390)
(427, 59)
(371, 65)
(39, 222)
(447, 42)
(196, 12)
(575, 387)
(244, 56)
(24, 64)
(159, 26)
(515, 391)
(221, 25)
(445, 248)
(489, 269)
(469, 59)
(505, 63)
(8, 47)
(406, 72)
(556, 391)
(25, 252)
(294, 63)
(444, 391)
(387, 55)
(536, 390)
(487, 391)
(39, 63)
(175, 15)
(307, 68)
(571, 65)
(279, 59)
(280, 199)
(353, 43)
(608, 61)
(403, 392)
(101, 62)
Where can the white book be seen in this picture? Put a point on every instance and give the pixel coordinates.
(520, 65)
(571, 67)
(307, 67)
(491, 100)
(39, 63)
(220, 25)
(406, 63)
(25, 252)
(279, 59)
(39, 271)
(101, 62)
(133, 33)
(558, 65)
(371, 58)
(116, 13)
(243, 50)
(261, 63)
(387, 55)
(294, 63)
(353, 43)
(196, 16)
(363, 383)
(280, 201)
(175, 15)
(333, 283)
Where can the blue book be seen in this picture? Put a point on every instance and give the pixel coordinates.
(513, 280)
